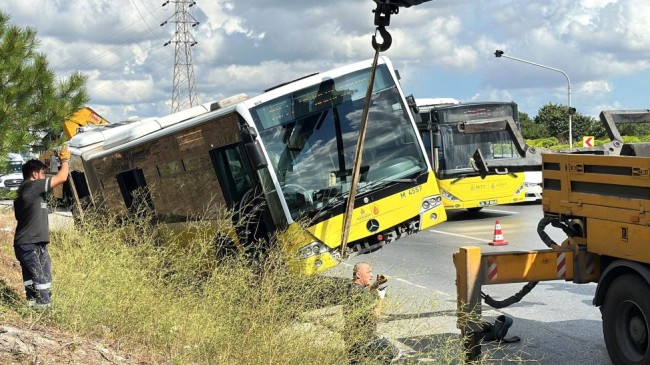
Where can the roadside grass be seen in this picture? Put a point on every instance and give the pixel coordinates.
(165, 298)
(173, 300)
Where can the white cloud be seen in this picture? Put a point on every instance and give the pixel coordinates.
(596, 3)
(595, 87)
(250, 45)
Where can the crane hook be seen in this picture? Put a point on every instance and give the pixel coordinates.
(388, 40)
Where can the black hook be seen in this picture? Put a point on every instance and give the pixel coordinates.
(388, 40)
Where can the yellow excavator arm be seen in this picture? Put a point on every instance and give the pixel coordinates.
(81, 118)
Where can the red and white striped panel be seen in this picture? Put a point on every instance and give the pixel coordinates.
(491, 268)
(561, 265)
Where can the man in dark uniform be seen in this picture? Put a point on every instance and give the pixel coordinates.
(362, 312)
(32, 231)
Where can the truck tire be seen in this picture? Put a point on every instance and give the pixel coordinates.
(626, 316)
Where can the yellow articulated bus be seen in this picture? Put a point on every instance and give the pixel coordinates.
(292, 147)
(452, 132)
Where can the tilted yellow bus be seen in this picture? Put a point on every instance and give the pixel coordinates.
(292, 147)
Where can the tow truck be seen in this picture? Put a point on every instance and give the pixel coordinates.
(600, 198)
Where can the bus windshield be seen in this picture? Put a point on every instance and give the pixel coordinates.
(311, 136)
(458, 147)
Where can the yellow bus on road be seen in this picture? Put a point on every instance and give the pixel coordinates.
(452, 132)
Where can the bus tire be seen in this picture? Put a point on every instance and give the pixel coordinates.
(626, 316)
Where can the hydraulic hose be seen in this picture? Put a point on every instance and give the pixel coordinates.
(555, 222)
(498, 304)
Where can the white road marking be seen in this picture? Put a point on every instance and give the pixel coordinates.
(410, 283)
(500, 211)
(458, 235)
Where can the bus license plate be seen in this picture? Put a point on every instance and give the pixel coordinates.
(486, 203)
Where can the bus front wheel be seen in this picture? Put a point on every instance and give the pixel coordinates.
(626, 312)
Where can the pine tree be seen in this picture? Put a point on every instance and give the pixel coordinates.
(33, 104)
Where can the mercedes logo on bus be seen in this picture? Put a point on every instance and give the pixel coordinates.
(372, 225)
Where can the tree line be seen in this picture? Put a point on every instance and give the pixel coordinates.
(550, 127)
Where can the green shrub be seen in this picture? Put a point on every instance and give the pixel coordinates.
(632, 139)
(8, 194)
(543, 142)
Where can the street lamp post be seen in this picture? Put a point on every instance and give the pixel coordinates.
(499, 53)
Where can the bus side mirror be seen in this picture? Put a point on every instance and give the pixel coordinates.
(248, 133)
(255, 155)
(478, 164)
(253, 148)
(410, 101)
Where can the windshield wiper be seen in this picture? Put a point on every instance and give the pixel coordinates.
(383, 182)
(403, 180)
(459, 178)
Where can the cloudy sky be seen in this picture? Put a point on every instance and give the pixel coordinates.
(442, 48)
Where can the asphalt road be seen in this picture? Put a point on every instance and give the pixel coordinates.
(556, 321)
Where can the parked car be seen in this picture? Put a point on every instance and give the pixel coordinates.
(533, 185)
(12, 176)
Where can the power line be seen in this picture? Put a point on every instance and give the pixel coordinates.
(141, 17)
(108, 51)
(108, 83)
(121, 61)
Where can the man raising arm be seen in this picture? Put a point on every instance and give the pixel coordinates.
(32, 230)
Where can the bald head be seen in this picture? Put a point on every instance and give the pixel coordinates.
(362, 274)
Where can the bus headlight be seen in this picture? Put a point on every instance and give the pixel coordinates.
(447, 195)
(312, 249)
(430, 202)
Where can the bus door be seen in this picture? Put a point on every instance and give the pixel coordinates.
(242, 193)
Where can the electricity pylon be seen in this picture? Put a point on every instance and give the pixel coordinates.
(184, 93)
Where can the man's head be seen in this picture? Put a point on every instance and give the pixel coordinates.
(362, 274)
(33, 170)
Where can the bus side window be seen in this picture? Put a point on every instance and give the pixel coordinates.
(79, 180)
(134, 191)
(233, 174)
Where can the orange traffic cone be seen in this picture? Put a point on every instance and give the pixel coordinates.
(498, 235)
